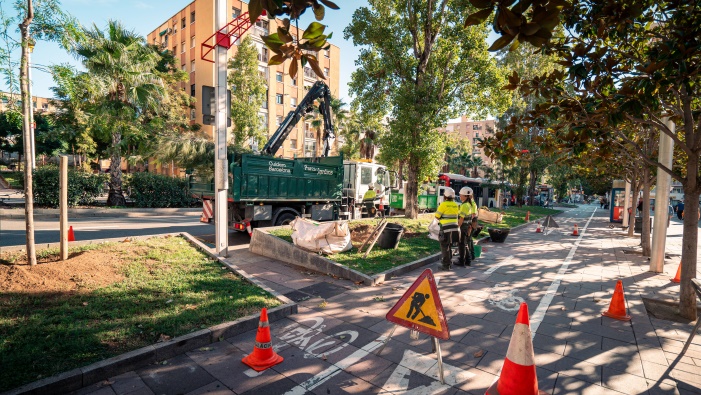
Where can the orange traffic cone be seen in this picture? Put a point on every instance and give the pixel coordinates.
(576, 230)
(678, 278)
(528, 216)
(518, 372)
(538, 229)
(617, 308)
(71, 235)
(263, 355)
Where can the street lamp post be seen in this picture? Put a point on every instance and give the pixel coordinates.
(32, 144)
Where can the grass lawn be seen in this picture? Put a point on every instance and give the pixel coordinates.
(415, 243)
(109, 299)
(14, 178)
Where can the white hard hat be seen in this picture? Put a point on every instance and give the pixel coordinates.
(371, 186)
(449, 193)
(466, 191)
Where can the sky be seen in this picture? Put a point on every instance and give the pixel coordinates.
(144, 16)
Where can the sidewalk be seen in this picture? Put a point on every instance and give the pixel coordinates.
(567, 282)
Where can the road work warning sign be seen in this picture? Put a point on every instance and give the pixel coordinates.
(420, 308)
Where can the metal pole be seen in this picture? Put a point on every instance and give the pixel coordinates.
(664, 180)
(63, 204)
(626, 205)
(32, 140)
(437, 345)
(220, 161)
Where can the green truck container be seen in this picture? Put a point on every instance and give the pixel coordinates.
(268, 191)
(426, 202)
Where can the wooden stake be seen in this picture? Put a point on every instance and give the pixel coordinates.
(63, 205)
(377, 236)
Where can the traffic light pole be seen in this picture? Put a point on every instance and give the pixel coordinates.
(221, 179)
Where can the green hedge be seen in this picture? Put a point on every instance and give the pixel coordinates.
(83, 188)
(155, 191)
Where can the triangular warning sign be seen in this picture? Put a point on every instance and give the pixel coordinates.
(550, 222)
(420, 308)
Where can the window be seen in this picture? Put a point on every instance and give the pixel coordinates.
(192, 42)
(193, 114)
(262, 23)
(293, 144)
(263, 55)
(294, 82)
(293, 102)
(310, 148)
(278, 99)
(477, 134)
(182, 47)
(45, 106)
(326, 72)
(365, 175)
(278, 120)
(263, 71)
(278, 76)
(192, 90)
(263, 120)
(192, 17)
(182, 23)
(327, 53)
(264, 105)
(175, 48)
(235, 12)
(165, 40)
(476, 127)
(183, 68)
(192, 66)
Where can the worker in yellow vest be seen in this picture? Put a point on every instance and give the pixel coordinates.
(447, 215)
(369, 200)
(468, 212)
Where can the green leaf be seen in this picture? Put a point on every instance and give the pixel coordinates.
(272, 39)
(315, 29)
(478, 17)
(330, 4)
(481, 3)
(319, 12)
(304, 61)
(501, 42)
(275, 60)
(530, 28)
(283, 35)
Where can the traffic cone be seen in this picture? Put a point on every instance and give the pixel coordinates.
(518, 372)
(263, 355)
(528, 216)
(576, 230)
(617, 308)
(538, 229)
(678, 278)
(71, 235)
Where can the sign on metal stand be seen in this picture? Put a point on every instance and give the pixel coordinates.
(420, 309)
(221, 178)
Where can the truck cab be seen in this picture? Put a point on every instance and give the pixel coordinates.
(357, 177)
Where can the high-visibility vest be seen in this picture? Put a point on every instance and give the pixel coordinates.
(467, 209)
(369, 196)
(447, 215)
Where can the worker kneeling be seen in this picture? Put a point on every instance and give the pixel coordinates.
(447, 215)
(467, 223)
(369, 201)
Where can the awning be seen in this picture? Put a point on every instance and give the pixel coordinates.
(163, 32)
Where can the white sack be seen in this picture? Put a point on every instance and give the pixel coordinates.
(326, 237)
(433, 229)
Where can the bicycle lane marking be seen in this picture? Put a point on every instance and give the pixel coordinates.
(539, 313)
(500, 264)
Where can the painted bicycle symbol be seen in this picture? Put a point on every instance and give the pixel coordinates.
(505, 299)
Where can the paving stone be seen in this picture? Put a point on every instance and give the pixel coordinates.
(623, 382)
(215, 388)
(299, 367)
(127, 383)
(344, 383)
(368, 367)
(179, 375)
(101, 388)
(275, 387)
(580, 370)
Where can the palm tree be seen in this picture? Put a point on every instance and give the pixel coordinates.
(120, 68)
(339, 117)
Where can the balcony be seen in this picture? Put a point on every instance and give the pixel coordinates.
(263, 57)
(310, 135)
(259, 31)
(309, 73)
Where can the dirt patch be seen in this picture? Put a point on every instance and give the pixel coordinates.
(83, 271)
(666, 310)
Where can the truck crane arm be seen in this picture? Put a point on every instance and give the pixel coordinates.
(318, 91)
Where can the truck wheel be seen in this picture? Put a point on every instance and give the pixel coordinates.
(284, 219)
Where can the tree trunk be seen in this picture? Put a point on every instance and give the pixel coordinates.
(116, 195)
(645, 234)
(531, 187)
(687, 297)
(411, 195)
(26, 130)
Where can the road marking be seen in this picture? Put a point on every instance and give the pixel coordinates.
(500, 264)
(335, 369)
(398, 381)
(539, 313)
(503, 299)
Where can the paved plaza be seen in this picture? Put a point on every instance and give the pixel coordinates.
(331, 346)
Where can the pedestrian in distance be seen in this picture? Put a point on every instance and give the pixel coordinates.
(468, 211)
(447, 216)
(680, 209)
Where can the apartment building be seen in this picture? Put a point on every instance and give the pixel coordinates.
(473, 131)
(40, 104)
(184, 33)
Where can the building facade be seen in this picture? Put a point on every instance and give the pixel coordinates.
(473, 131)
(40, 104)
(184, 33)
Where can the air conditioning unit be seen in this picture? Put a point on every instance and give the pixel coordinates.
(170, 30)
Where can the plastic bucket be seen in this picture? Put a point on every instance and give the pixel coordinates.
(389, 239)
(478, 251)
(498, 235)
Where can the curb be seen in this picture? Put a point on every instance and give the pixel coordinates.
(100, 212)
(82, 377)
